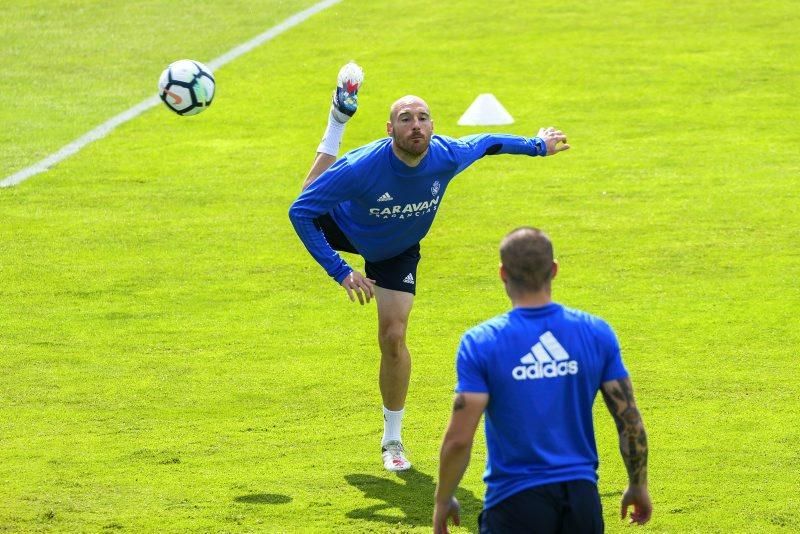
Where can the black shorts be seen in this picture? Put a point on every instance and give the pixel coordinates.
(398, 273)
(560, 508)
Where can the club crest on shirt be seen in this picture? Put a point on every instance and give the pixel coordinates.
(435, 188)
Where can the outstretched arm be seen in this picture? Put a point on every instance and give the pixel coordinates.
(618, 396)
(548, 141)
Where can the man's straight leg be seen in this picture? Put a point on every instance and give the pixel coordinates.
(394, 308)
(395, 286)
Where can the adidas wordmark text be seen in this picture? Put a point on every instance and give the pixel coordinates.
(547, 359)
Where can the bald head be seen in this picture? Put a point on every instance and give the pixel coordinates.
(410, 126)
(407, 103)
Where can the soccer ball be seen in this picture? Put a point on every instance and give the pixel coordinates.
(186, 87)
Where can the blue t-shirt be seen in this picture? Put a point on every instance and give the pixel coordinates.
(542, 368)
(384, 206)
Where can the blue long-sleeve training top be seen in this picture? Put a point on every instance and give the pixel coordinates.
(384, 206)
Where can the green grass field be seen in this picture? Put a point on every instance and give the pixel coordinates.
(173, 360)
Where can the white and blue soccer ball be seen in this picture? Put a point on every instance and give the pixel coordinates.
(186, 87)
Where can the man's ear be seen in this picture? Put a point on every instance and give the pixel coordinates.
(389, 128)
(554, 269)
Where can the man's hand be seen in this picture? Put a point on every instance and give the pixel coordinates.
(356, 284)
(441, 511)
(555, 140)
(639, 498)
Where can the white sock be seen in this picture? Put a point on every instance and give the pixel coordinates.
(332, 138)
(392, 425)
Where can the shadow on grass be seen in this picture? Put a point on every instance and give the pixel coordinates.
(263, 498)
(412, 494)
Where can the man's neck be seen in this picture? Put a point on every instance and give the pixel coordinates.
(531, 300)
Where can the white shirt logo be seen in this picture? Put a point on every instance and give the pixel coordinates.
(435, 188)
(407, 211)
(386, 197)
(547, 359)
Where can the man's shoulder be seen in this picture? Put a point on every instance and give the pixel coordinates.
(594, 322)
(366, 152)
(445, 142)
(488, 330)
(444, 139)
(463, 150)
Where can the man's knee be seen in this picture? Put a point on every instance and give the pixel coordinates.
(392, 336)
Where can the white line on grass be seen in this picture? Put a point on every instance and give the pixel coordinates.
(106, 128)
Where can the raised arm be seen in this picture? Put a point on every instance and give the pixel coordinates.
(618, 396)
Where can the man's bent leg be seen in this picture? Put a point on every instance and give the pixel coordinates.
(321, 164)
(343, 107)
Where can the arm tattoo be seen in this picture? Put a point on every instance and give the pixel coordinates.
(632, 436)
(459, 402)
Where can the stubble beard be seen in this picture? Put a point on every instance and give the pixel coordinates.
(411, 148)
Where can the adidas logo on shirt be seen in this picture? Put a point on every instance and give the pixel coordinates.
(409, 279)
(547, 359)
(386, 197)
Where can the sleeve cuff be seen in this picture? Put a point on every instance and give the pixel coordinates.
(342, 274)
(541, 146)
